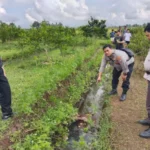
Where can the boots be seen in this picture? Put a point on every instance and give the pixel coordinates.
(145, 134)
(113, 92)
(123, 96)
(7, 116)
(145, 122)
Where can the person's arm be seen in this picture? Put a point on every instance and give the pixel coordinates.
(147, 62)
(121, 41)
(102, 68)
(124, 66)
(115, 41)
(4, 70)
(1, 65)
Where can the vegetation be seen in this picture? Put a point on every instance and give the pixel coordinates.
(49, 67)
(95, 28)
(139, 42)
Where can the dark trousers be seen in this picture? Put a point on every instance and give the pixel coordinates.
(5, 94)
(148, 100)
(126, 83)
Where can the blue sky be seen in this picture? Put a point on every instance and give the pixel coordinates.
(74, 12)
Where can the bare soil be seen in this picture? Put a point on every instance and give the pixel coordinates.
(125, 130)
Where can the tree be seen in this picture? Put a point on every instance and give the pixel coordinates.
(4, 32)
(95, 28)
(36, 24)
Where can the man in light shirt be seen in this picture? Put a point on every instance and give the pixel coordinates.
(127, 36)
(122, 66)
(146, 133)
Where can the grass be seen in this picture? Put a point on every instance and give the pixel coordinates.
(31, 76)
(28, 75)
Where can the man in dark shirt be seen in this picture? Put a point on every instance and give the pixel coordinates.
(119, 40)
(112, 36)
(5, 93)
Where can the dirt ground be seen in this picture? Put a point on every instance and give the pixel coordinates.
(125, 130)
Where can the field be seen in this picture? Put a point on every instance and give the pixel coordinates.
(49, 69)
(45, 87)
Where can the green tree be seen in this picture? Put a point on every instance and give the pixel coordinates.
(4, 34)
(36, 24)
(95, 28)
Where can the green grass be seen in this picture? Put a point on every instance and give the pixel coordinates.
(31, 76)
(79, 84)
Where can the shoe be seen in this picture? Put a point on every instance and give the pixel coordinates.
(145, 122)
(7, 116)
(145, 134)
(123, 97)
(112, 92)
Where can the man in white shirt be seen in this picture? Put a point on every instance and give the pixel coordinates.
(146, 133)
(127, 36)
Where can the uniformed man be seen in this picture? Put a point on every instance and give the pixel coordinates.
(146, 133)
(5, 93)
(122, 64)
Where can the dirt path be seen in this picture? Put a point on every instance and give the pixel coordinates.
(124, 115)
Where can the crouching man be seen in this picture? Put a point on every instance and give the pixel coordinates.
(122, 65)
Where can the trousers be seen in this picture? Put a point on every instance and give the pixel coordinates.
(5, 94)
(126, 83)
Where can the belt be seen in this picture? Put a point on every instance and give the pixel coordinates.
(148, 72)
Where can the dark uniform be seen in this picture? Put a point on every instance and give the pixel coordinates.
(5, 95)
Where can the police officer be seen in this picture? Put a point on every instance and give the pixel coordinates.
(5, 93)
(123, 65)
(146, 133)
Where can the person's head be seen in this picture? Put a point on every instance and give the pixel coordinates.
(107, 50)
(147, 31)
(128, 30)
(112, 30)
(118, 33)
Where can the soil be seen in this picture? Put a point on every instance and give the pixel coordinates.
(124, 116)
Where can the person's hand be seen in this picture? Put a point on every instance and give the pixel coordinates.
(98, 79)
(118, 41)
(124, 77)
(4, 71)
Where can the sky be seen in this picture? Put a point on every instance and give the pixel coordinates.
(75, 12)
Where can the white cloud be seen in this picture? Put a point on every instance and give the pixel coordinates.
(4, 16)
(58, 10)
(77, 12)
(122, 12)
(24, 1)
(31, 19)
(2, 11)
(113, 15)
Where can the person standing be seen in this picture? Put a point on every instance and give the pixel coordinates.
(112, 35)
(123, 66)
(127, 37)
(119, 40)
(120, 29)
(5, 92)
(124, 30)
(146, 133)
